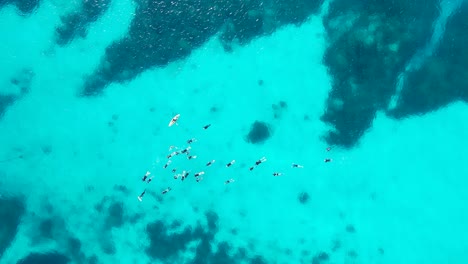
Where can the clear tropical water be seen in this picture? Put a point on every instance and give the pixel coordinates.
(87, 89)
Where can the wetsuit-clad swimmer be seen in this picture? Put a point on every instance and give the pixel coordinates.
(173, 154)
(199, 173)
(229, 181)
(230, 163)
(166, 190)
(167, 163)
(145, 176)
(210, 163)
(192, 157)
(277, 174)
(327, 160)
(258, 162)
(294, 165)
(140, 197)
(207, 126)
(190, 141)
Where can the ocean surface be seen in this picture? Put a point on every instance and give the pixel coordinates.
(368, 97)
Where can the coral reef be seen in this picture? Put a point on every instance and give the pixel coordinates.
(443, 78)
(371, 41)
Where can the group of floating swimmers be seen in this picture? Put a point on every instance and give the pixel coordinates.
(199, 175)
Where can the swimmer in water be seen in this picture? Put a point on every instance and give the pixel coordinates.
(230, 163)
(174, 170)
(277, 174)
(329, 148)
(176, 176)
(199, 179)
(210, 163)
(174, 120)
(191, 157)
(327, 160)
(140, 197)
(207, 126)
(172, 147)
(166, 190)
(258, 162)
(184, 175)
(167, 164)
(173, 154)
(199, 173)
(150, 179)
(229, 181)
(145, 176)
(294, 165)
(190, 141)
(186, 151)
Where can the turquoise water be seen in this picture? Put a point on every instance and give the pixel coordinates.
(71, 165)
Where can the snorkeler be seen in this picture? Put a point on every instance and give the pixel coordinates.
(166, 190)
(199, 173)
(207, 126)
(184, 175)
(210, 163)
(192, 157)
(140, 197)
(329, 148)
(150, 179)
(199, 179)
(258, 162)
(190, 141)
(173, 154)
(294, 165)
(174, 170)
(186, 151)
(176, 176)
(174, 120)
(327, 160)
(277, 174)
(229, 181)
(230, 163)
(167, 164)
(145, 176)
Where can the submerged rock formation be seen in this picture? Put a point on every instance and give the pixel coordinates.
(164, 31)
(25, 7)
(371, 42)
(76, 23)
(11, 212)
(443, 78)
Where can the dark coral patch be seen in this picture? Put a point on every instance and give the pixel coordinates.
(303, 197)
(165, 31)
(115, 216)
(350, 229)
(24, 6)
(320, 258)
(5, 101)
(76, 23)
(166, 244)
(45, 258)
(259, 132)
(371, 42)
(11, 212)
(442, 79)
